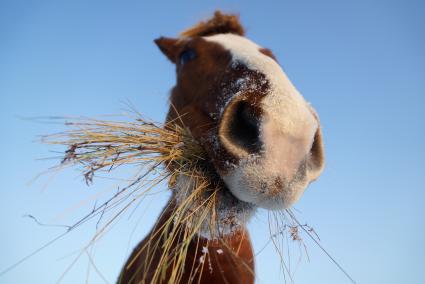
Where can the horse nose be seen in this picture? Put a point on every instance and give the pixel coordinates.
(239, 130)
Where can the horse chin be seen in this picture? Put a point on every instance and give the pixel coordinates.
(255, 184)
(263, 196)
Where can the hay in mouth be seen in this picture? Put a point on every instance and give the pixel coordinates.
(165, 152)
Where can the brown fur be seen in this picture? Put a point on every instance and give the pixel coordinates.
(268, 52)
(229, 260)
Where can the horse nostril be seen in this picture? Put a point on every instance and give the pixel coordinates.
(316, 159)
(240, 129)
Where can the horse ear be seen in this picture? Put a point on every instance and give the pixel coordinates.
(168, 46)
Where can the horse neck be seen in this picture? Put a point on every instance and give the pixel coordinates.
(228, 259)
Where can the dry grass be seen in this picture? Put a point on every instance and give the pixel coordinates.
(99, 146)
(163, 153)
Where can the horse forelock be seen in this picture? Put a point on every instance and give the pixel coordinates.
(219, 23)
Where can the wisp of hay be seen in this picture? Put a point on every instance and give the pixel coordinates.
(164, 152)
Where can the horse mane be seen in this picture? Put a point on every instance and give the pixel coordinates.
(219, 24)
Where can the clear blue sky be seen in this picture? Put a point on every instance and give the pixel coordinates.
(360, 63)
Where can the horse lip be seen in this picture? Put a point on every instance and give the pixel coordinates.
(215, 175)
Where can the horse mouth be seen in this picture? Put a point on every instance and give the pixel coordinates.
(217, 182)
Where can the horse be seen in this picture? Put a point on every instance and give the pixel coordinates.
(262, 139)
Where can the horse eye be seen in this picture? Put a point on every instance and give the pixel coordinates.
(186, 56)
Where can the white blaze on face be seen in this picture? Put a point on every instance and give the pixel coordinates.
(287, 131)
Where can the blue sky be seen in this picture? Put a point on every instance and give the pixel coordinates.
(360, 63)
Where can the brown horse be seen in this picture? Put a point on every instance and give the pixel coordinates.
(262, 139)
